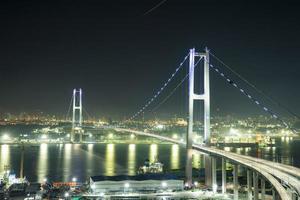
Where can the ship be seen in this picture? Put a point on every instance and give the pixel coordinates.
(151, 167)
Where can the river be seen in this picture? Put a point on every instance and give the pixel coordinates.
(62, 162)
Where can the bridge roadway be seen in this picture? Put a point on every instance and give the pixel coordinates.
(272, 171)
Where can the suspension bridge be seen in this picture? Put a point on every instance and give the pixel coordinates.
(284, 179)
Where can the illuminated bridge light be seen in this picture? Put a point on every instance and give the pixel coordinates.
(249, 96)
(162, 88)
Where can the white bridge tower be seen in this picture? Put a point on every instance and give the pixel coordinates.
(205, 97)
(77, 112)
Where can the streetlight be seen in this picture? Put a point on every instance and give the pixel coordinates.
(195, 183)
(164, 184)
(215, 187)
(67, 194)
(126, 186)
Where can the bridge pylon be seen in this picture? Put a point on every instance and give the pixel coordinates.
(77, 113)
(205, 97)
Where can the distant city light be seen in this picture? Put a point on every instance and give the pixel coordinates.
(44, 136)
(175, 136)
(110, 135)
(68, 135)
(74, 179)
(45, 180)
(6, 137)
(132, 136)
(159, 126)
(233, 131)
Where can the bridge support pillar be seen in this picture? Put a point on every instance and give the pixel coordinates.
(263, 188)
(249, 184)
(255, 185)
(235, 182)
(273, 194)
(214, 174)
(80, 137)
(72, 136)
(223, 175)
(208, 171)
(188, 167)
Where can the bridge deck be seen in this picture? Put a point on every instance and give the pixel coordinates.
(270, 170)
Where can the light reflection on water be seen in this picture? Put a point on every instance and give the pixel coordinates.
(131, 159)
(62, 162)
(110, 160)
(67, 161)
(89, 158)
(5, 157)
(42, 166)
(196, 161)
(175, 158)
(153, 153)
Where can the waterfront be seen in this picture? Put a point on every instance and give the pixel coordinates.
(62, 162)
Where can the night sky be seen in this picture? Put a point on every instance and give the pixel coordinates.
(120, 54)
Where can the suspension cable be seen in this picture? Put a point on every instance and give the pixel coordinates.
(159, 91)
(231, 82)
(88, 115)
(69, 109)
(271, 99)
(173, 91)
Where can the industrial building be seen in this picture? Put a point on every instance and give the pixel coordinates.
(142, 183)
